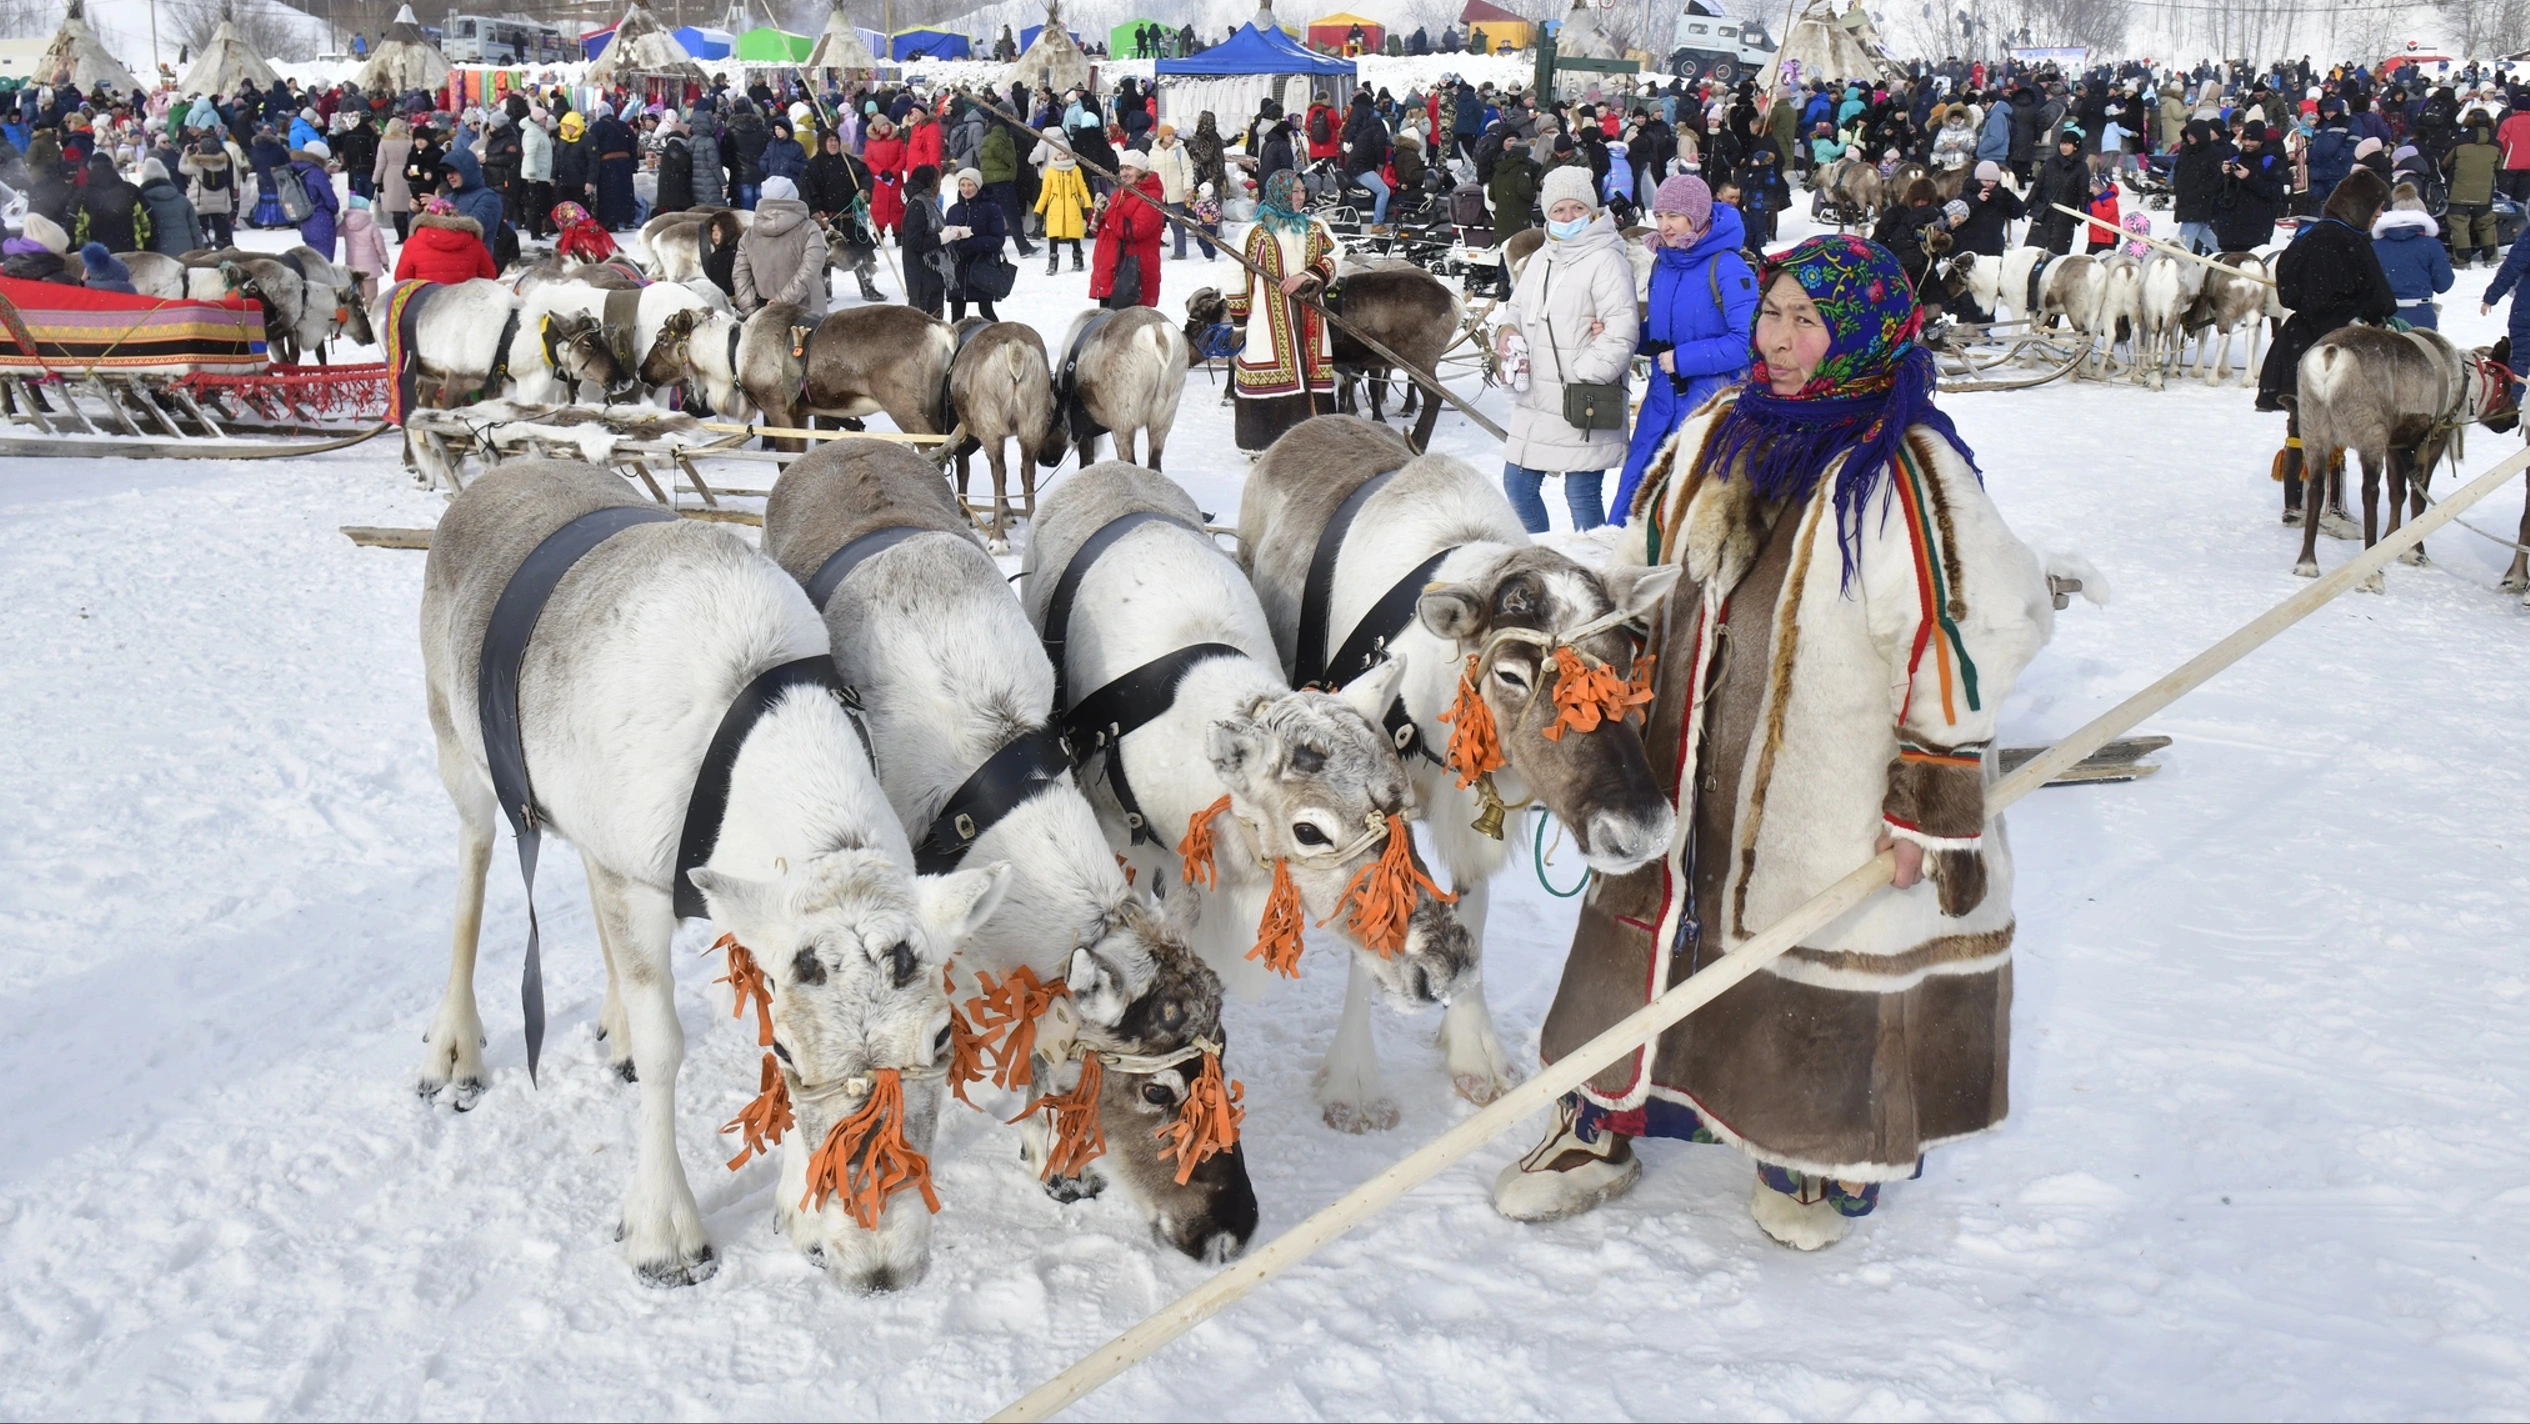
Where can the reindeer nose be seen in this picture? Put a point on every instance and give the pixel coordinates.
(1619, 841)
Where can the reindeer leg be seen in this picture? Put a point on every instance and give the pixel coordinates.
(2517, 578)
(453, 1049)
(2371, 509)
(1478, 1067)
(2417, 474)
(662, 1229)
(999, 543)
(612, 1027)
(2312, 472)
(1350, 1094)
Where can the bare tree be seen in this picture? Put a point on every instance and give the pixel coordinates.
(273, 31)
(2485, 28)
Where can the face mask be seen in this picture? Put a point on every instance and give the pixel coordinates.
(1566, 231)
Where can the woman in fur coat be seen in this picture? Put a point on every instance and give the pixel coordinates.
(1836, 539)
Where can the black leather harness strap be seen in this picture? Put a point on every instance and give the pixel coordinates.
(709, 802)
(1025, 765)
(840, 564)
(1106, 717)
(1067, 389)
(505, 640)
(1058, 609)
(501, 368)
(1379, 624)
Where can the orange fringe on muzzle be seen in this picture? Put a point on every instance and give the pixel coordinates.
(1475, 745)
(865, 1158)
(1278, 929)
(1383, 893)
(746, 981)
(1005, 1022)
(966, 1046)
(1587, 694)
(762, 1122)
(1076, 1138)
(1195, 853)
(1207, 1122)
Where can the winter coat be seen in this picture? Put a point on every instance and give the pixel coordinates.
(886, 158)
(446, 249)
(2196, 175)
(2413, 262)
(742, 148)
(925, 289)
(574, 168)
(1203, 149)
(1132, 225)
(782, 258)
(834, 181)
(200, 169)
(1064, 200)
(991, 229)
(1987, 228)
(1889, 1031)
(2330, 157)
(2329, 277)
(174, 229)
(2059, 180)
(503, 155)
(1565, 287)
(2024, 121)
(2472, 167)
(535, 153)
(2510, 276)
(1175, 170)
(996, 157)
(317, 228)
(2245, 214)
(675, 193)
(1707, 340)
(1365, 141)
(474, 200)
(1512, 194)
(33, 262)
(1955, 146)
(1275, 153)
(709, 189)
(364, 246)
(106, 272)
(784, 158)
(103, 212)
(395, 194)
(923, 145)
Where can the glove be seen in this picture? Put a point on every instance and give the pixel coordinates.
(1936, 798)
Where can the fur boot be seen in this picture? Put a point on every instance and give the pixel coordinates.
(1803, 1226)
(1566, 1176)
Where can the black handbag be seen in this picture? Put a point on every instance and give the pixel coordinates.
(1127, 291)
(1588, 405)
(990, 278)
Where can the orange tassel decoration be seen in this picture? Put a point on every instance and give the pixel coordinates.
(1475, 747)
(762, 1122)
(1196, 851)
(1072, 1122)
(1278, 932)
(746, 981)
(966, 1046)
(1207, 1122)
(1383, 893)
(1006, 1022)
(1587, 695)
(865, 1159)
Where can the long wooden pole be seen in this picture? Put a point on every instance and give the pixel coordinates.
(2163, 243)
(1430, 382)
(1706, 985)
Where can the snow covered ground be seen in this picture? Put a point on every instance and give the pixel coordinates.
(2267, 1155)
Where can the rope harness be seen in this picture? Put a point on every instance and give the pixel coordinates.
(1588, 694)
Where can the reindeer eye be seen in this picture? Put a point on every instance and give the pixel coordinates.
(780, 1052)
(901, 963)
(1158, 1095)
(1308, 835)
(807, 968)
(1512, 678)
(940, 1041)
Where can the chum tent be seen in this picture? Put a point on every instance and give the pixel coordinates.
(1124, 41)
(1253, 64)
(841, 48)
(77, 56)
(226, 65)
(767, 45)
(1494, 28)
(404, 60)
(643, 55)
(1053, 62)
(704, 44)
(1824, 44)
(1333, 32)
(928, 44)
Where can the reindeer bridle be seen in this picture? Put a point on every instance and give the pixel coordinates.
(1587, 691)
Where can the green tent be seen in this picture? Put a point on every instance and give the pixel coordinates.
(767, 45)
(1124, 41)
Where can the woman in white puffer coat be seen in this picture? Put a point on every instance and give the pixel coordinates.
(1575, 313)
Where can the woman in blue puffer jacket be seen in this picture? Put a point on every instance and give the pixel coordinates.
(1696, 325)
(2409, 244)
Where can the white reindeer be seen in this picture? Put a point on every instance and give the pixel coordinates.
(2171, 286)
(2235, 297)
(636, 657)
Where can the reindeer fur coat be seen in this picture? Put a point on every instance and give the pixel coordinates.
(1794, 723)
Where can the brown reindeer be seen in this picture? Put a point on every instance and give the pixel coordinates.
(1002, 390)
(864, 360)
(2394, 399)
(1130, 372)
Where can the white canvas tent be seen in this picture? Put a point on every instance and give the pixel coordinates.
(1053, 64)
(226, 65)
(77, 56)
(643, 51)
(840, 49)
(1579, 38)
(404, 59)
(1824, 44)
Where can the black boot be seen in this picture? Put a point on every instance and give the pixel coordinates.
(1053, 258)
(1076, 257)
(869, 289)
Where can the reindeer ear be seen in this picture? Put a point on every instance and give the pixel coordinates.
(1455, 611)
(1240, 752)
(956, 905)
(1098, 989)
(1371, 693)
(739, 905)
(1638, 589)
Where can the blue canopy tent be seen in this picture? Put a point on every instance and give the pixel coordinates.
(594, 42)
(1233, 76)
(928, 44)
(705, 44)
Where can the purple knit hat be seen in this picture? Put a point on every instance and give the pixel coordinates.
(1685, 195)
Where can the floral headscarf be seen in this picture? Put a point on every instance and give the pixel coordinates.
(1873, 384)
(1279, 205)
(569, 215)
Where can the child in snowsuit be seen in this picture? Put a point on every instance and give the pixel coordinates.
(364, 247)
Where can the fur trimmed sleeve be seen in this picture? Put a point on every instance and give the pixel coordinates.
(1936, 799)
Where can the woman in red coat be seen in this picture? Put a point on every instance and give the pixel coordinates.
(922, 140)
(445, 247)
(886, 157)
(1132, 225)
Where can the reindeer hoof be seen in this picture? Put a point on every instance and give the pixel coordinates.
(468, 1092)
(997, 547)
(2415, 558)
(2337, 526)
(2373, 584)
(1377, 1115)
(1068, 1190)
(2515, 583)
(625, 1071)
(1479, 1088)
(667, 1275)
(2307, 568)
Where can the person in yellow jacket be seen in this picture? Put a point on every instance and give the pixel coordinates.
(1063, 197)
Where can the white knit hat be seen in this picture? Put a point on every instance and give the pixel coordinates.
(1133, 158)
(969, 175)
(1570, 181)
(778, 186)
(46, 233)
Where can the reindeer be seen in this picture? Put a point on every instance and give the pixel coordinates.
(734, 366)
(952, 672)
(2120, 311)
(2396, 400)
(2171, 287)
(868, 359)
(1002, 390)
(606, 276)
(674, 241)
(536, 379)
(1401, 306)
(1491, 578)
(1128, 375)
(1854, 188)
(2233, 298)
(635, 657)
(1315, 791)
(458, 344)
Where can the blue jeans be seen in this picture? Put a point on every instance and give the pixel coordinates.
(1379, 195)
(746, 196)
(2198, 237)
(1581, 496)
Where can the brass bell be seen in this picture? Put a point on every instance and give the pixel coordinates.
(1489, 808)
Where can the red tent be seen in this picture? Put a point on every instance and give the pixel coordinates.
(1478, 12)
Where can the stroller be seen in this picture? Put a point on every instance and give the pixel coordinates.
(2153, 180)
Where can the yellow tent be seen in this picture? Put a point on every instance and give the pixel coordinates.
(1492, 29)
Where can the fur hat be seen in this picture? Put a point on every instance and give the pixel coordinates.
(1568, 183)
(47, 233)
(1685, 195)
(778, 186)
(1989, 171)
